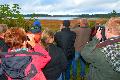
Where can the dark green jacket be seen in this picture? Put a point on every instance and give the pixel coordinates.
(103, 66)
(3, 46)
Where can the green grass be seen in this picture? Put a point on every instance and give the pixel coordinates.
(78, 70)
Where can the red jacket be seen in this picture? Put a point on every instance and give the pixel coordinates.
(38, 61)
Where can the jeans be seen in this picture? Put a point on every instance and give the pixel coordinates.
(74, 65)
(61, 77)
(67, 73)
(90, 72)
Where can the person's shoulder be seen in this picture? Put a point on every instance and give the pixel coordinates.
(59, 50)
(73, 32)
(2, 42)
(56, 47)
(57, 33)
(1, 39)
(75, 28)
(87, 28)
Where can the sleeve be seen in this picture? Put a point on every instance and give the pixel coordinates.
(87, 51)
(75, 30)
(42, 60)
(63, 60)
(55, 38)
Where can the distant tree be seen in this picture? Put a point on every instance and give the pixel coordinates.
(12, 16)
(113, 13)
(5, 12)
(9, 12)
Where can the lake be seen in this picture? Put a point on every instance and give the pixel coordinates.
(53, 18)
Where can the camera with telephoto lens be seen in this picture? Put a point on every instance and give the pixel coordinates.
(102, 29)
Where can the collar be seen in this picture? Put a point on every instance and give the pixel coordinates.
(84, 27)
(65, 29)
(108, 42)
(116, 37)
(19, 49)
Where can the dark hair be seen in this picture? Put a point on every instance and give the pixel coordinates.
(66, 23)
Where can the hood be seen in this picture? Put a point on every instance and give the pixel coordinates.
(15, 66)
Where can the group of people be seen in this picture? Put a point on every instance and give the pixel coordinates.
(45, 55)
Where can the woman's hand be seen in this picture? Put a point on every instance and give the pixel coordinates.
(98, 34)
(31, 39)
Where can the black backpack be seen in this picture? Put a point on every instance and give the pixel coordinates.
(14, 66)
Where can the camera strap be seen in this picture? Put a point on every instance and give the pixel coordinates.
(108, 42)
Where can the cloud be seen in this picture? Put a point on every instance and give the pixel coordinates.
(67, 6)
(114, 5)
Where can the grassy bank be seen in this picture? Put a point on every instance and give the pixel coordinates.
(55, 24)
(51, 24)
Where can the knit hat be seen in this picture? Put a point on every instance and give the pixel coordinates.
(66, 23)
(36, 28)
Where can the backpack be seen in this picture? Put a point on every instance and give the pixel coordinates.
(14, 66)
(3, 48)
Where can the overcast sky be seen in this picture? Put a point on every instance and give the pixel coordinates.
(66, 6)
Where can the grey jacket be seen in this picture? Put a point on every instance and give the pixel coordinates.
(82, 36)
(104, 59)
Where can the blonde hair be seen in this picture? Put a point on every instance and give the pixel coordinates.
(45, 34)
(113, 25)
